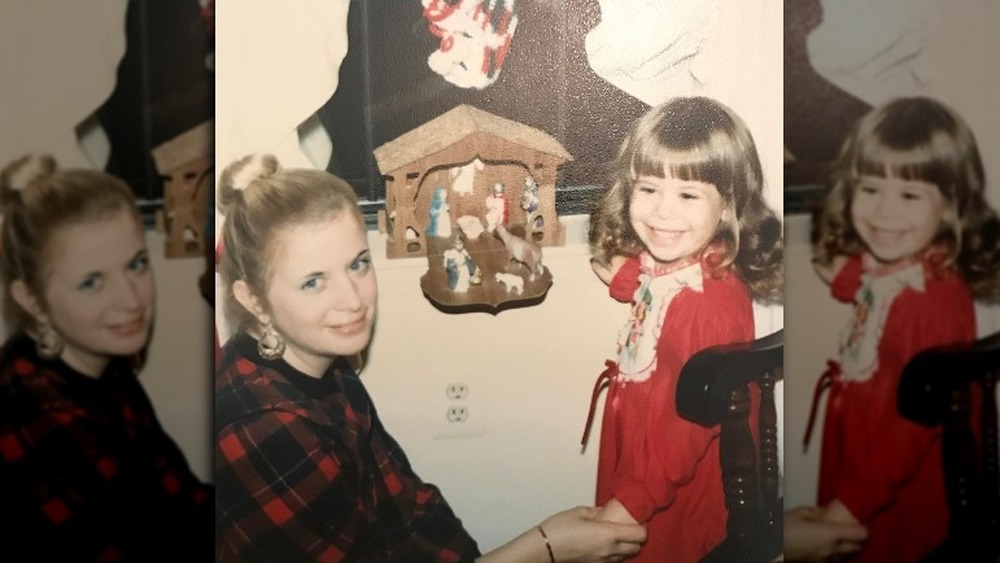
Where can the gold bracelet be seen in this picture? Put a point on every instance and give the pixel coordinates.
(548, 546)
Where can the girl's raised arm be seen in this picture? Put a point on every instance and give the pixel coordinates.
(606, 272)
(828, 272)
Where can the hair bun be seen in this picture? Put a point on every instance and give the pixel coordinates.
(21, 173)
(239, 175)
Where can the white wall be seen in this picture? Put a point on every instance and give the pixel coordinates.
(178, 373)
(812, 324)
(529, 372)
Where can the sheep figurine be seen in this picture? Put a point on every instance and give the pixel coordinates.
(512, 282)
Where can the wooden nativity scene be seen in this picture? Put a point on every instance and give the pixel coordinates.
(475, 194)
(185, 164)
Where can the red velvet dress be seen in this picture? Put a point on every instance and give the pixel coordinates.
(885, 469)
(663, 469)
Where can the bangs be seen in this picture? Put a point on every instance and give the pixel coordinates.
(711, 161)
(934, 161)
(913, 139)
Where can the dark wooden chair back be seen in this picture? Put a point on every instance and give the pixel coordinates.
(937, 389)
(713, 388)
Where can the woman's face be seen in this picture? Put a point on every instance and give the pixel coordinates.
(322, 293)
(100, 290)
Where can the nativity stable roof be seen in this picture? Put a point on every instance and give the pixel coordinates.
(190, 145)
(453, 126)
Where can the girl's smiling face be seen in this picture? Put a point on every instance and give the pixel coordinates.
(895, 218)
(674, 218)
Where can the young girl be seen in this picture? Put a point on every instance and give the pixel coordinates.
(905, 235)
(685, 236)
(304, 467)
(86, 471)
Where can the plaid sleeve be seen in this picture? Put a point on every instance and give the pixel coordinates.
(53, 467)
(285, 492)
(179, 503)
(433, 532)
(290, 489)
(78, 488)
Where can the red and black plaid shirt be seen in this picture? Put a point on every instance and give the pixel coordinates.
(305, 471)
(87, 472)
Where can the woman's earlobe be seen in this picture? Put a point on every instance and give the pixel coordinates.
(24, 297)
(246, 298)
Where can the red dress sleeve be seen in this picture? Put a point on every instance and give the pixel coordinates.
(886, 450)
(668, 449)
(626, 281)
(847, 281)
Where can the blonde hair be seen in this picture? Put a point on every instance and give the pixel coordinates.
(259, 200)
(917, 139)
(697, 139)
(38, 200)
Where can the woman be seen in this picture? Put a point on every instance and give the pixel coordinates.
(87, 473)
(305, 470)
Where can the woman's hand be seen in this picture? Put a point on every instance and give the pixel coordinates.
(837, 513)
(574, 535)
(607, 271)
(808, 538)
(578, 535)
(614, 511)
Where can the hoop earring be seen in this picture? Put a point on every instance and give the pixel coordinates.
(48, 344)
(270, 346)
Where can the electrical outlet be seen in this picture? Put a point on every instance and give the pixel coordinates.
(459, 421)
(457, 391)
(457, 414)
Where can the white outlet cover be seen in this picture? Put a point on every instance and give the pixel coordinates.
(457, 391)
(459, 421)
(457, 414)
